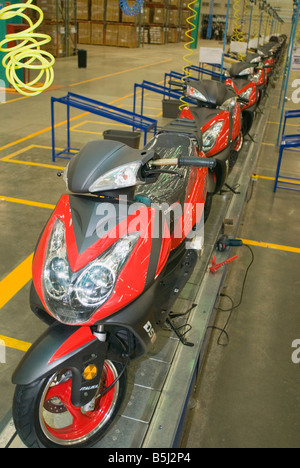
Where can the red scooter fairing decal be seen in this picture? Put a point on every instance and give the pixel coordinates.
(131, 280)
(80, 338)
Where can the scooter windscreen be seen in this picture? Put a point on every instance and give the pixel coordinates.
(96, 168)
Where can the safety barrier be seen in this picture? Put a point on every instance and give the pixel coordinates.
(288, 143)
(136, 121)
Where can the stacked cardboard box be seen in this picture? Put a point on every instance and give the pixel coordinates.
(113, 10)
(58, 44)
(127, 36)
(172, 35)
(83, 9)
(97, 34)
(48, 7)
(158, 16)
(156, 35)
(97, 10)
(84, 33)
(112, 34)
(174, 17)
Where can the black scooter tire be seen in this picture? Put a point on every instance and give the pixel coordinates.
(27, 420)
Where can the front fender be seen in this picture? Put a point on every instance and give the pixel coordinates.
(64, 347)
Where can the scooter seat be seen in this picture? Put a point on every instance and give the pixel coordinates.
(168, 188)
(214, 92)
(184, 127)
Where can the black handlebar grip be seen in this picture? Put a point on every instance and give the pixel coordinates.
(197, 162)
(177, 83)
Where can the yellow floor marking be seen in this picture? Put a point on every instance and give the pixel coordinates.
(9, 157)
(15, 344)
(15, 281)
(281, 179)
(120, 72)
(287, 125)
(268, 144)
(13, 100)
(87, 81)
(27, 202)
(272, 246)
(40, 132)
(86, 122)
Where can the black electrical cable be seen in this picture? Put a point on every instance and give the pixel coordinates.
(223, 330)
(244, 281)
(233, 307)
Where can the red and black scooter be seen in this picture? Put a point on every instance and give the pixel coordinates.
(107, 269)
(217, 117)
(246, 84)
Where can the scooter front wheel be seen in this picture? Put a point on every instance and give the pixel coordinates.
(45, 417)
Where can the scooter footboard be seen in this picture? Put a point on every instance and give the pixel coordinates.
(64, 347)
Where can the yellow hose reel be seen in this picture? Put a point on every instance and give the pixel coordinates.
(27, 53)
(187, 46)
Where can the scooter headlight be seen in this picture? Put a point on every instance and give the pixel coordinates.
(210, 136)
(122, 177)
(247, 71)
(193, 92)
(258, 75)
(72, 298)
(57, 270)
(95, 285)
(246, 94)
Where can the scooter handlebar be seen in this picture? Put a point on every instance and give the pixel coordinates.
(177, 83)
(197, 162)
(185, 162)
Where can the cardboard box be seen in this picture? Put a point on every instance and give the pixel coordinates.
(83, 9)
(127, 36)
(112, 34)
(174, 17)
(156, 35)
(48, 8)
(172, 35)
(58, 45)
(158, 16)
(84, 33)
(113, 10)
(97, 34)
(97, 10)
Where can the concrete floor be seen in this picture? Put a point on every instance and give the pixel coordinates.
(247, 395)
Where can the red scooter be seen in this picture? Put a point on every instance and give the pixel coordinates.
(217, 117)
(245, 83)
(108, 267)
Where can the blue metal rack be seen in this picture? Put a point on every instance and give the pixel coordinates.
(136, 121)
(289, 143)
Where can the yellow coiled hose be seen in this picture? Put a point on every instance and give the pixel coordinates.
(187, 46)
(237, 33)
(27, 54)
